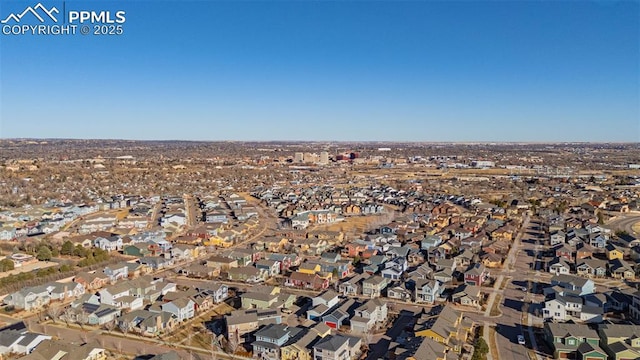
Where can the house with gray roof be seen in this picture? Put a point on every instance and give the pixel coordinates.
(16, 339)
(109, 295)
(567, 339)
(337, 347)
(373, 286)
(183, 308)
(620, 341)
(29, 298)
(271, 338)
(580, 285)
(64, 350)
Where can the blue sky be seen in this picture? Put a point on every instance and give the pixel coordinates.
(354, 70)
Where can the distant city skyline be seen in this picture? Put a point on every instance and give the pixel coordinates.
(332, 71)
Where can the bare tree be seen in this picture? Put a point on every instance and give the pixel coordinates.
(54, 312)
(67, 316)
(232, 343)
(110, 326)
(123, 327)
(82, 318)
(366, 339)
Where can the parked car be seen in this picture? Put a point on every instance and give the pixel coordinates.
(521, 340)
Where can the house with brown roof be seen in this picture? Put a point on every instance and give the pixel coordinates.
(506, 232)
(92, 281)
(307, 281)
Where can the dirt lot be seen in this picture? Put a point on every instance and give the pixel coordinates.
(357, 224)
(28, 268)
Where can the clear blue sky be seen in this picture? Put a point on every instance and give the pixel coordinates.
(359, 70)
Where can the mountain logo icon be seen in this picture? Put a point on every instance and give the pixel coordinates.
(39, 11)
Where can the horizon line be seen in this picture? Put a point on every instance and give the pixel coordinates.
(541, 142)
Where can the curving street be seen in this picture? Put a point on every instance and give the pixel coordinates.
(625, 223)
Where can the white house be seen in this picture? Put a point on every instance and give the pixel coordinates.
(111, 243)
(110, 294)
(562, 308)
(182, 308)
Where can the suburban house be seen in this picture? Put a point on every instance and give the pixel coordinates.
(15, 338)
(467, 295)
(579, 285)
(116, 272)
(147, 323)
(447, 327)
(573, 341)
(427, 291)
(559, 266)
(271, 338)
(400, 293)
(111, 294)
(328, 298)
(564, 251)
(219, 292)
(369, 315)
(559, 307)
(620, 341)
(352, 286)
(272, 267)
(156, 262)
(247, 274)
(182, 308)
(307, 281)
(221, 262)
(557, 237)
(613, 252)
(242, 322)
(62, 350)
(92, 281)
(476, 275)
(620, 269)
(264, 299)
(373, 286)
(335, 318)
(394, 268)
(61, 291)
(427, 349)
(337, 347)
(100, 314)
(29, 298)
(109, 243)
(592, 268)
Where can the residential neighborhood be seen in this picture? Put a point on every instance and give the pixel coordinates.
(320, 265)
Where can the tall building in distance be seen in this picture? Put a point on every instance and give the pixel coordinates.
(311, 158)
(298, 158)
(324, 158)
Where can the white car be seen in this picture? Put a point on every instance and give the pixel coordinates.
(521, 340)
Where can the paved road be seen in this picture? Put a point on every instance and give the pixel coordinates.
(509, 321)
(154, 215)
(624, 223)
